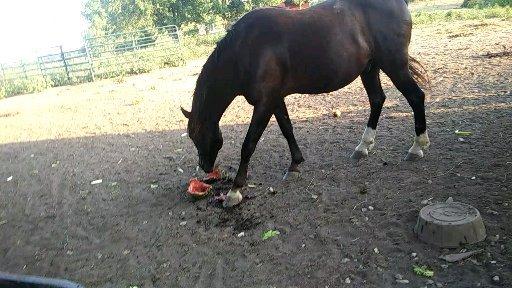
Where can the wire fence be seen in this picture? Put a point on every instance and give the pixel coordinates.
(100, 57)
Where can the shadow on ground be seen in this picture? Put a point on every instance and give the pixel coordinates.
(131, 230)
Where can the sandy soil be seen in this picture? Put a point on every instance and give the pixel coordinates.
(130, 229)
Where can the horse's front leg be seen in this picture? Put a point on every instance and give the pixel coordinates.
(260, 117)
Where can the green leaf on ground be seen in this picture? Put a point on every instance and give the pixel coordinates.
(423, 271)
(269, 234)
(463, 133)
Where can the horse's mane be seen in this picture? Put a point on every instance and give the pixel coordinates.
(205, 78)
(226, 41)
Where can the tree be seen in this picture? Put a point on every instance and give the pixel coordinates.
(110, 16)
(296, 2)
(265, 3)
(234, 10)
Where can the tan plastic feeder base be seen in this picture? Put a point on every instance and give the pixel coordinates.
(450, 225)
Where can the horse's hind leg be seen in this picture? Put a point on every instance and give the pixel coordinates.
(372, 85)
(285, 124)
(406, 84)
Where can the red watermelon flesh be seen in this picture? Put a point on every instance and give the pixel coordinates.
(197, 188)
(215, 175)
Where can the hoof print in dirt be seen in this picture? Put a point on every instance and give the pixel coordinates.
(412, 157)
(358, 155)
(291, 176)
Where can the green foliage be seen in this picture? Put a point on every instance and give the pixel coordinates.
(58, 79)
(265, 3)
(428, 17)
(136, 62)
(269, 234)
(234, 10)
(199, 46)
(128, 63)
(486, 3)
(423, 271)
(22, 86)
(109, 16)
(295, 2)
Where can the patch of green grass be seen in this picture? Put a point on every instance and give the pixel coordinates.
(429, 17)
(486, 3)
(199, 46)
(137, 62)
(119, 65)
(36, 83)
(22, 86)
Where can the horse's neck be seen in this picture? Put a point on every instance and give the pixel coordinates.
(217, 86)
(214, 104)
(220, 105)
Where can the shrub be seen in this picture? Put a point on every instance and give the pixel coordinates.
(23, 86)
(486, 3)
(58, 79)
(199, 46)
(296, 2)
(427, 17)
(119, 64)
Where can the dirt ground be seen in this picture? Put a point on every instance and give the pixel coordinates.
(138, 227)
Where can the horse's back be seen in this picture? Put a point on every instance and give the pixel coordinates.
(308, 45)
(322, 48)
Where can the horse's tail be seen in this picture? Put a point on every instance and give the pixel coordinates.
(418, 71)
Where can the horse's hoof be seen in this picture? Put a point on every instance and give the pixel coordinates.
(232, 199)
(291, 175)
(358, 155)
(412, 157)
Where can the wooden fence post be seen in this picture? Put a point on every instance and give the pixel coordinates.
(40, 65)
(65, 63)
(24, 69)
(89, 59)
(3, 77)
(3, 71)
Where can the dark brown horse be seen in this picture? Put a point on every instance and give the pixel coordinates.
(271, 53)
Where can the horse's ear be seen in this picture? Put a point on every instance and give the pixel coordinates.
(185, 113)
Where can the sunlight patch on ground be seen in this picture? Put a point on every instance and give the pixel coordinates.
(151, 102)
(431, 5)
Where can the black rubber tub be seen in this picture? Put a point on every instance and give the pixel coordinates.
(23, 281)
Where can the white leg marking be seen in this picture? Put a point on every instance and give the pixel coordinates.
(420, 142)
(233, 198)
(367, 141)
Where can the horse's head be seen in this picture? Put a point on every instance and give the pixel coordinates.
(207, 138)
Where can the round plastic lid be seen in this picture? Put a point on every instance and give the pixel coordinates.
(449, 213)
(450, 225)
